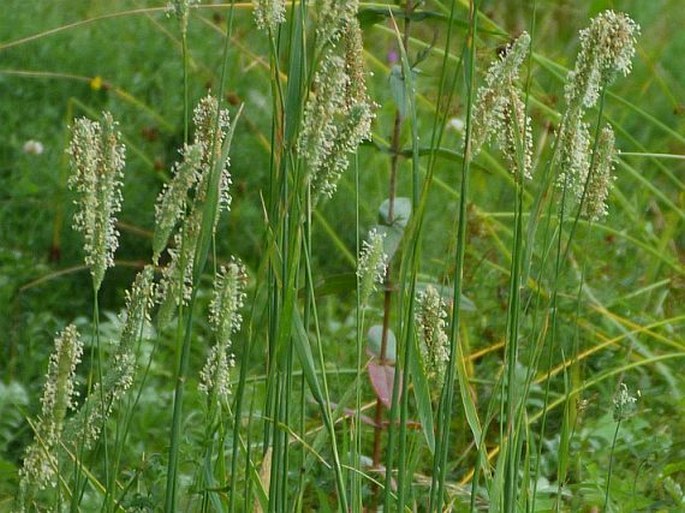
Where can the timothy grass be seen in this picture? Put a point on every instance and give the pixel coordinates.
(563, 389)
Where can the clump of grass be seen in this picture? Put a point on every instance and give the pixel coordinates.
(282, 394)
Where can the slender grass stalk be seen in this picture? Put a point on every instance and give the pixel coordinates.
(447, 392)
(209, 216)
(611, 466)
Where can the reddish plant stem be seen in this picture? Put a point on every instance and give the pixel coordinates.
(389, 285)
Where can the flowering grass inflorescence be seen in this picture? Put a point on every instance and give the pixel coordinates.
(268, 14)
(85, 427)
(41, 462)
(600, 177)
(498, 103)
(97, 161)
(192, 178)
(372, 264)
(431, 316)
(338, 115)
(607, 48)
(225, 319)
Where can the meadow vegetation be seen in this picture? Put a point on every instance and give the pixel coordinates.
(342, 256)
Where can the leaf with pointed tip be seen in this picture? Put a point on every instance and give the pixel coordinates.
(382, 378)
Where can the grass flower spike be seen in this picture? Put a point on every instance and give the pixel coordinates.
(225, 318)
(212, 126)
(607, 47)
(97, 161)
(268, 14)
(372, 265)
(181, 9)
(434, 343)
(229, 298)
(172, 201)
(41, 461)
(498, 102)
(338, 116)
(600, 177)
(333, 16)
(85, 427)
(193, 175)
(625, 404)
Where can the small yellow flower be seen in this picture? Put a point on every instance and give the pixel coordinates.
(96, 83)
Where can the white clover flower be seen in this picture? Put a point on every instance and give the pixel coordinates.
(431, 324)
(456, 124)
(32, 147)
(97, 161)
(372, 264)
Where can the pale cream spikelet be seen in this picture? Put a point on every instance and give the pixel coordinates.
(59, 395)
(268, 14)
(600, 177)
(176, 285)
(575, 149)
(85, 427)
(228, 299)
(431, 315)
(607, 47)
(172, 201)
(181, 10)
(319, 120)
(212, 125)
(332, 16)
(356, 92)
(338, 115)
(625, 403)
(493, 105)
(516, 140)
(97, 162)
(225, 319)
(372, 264)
